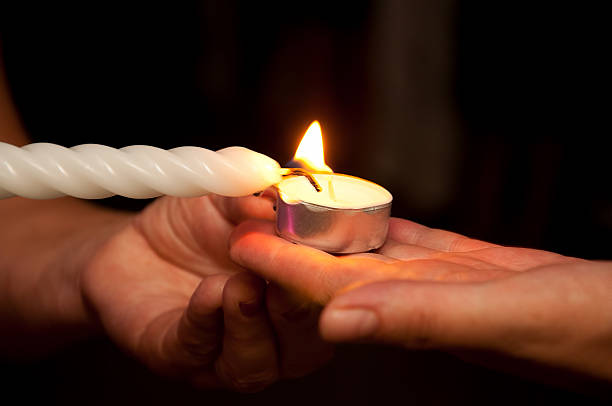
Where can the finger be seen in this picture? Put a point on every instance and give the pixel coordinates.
(248, 362)
(305, 271)
(179, 231)
(552, 315)
(504, 315)
(196, 341)
(415, 315)
(295, 322)
(318, 276)
(239, 209)
(408, 232)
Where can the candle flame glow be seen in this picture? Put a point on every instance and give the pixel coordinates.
(310, 150)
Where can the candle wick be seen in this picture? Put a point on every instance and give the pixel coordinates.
(306, 174)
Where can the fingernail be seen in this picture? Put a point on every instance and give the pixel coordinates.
(249, 309)
(349, 324)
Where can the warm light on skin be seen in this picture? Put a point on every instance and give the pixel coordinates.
(310, 150)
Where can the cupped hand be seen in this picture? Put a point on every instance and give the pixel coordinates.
(165, 290)
(428, 288)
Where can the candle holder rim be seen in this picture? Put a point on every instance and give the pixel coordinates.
(319, 206)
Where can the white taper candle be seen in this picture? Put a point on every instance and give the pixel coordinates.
(91, 171)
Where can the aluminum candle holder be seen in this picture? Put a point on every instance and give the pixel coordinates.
(333, 229)
(340, 231)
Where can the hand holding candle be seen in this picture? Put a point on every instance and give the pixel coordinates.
(535, 311)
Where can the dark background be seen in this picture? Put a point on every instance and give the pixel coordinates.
(487, 118)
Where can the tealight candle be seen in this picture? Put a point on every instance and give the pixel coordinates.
(347, 215)
(337, 191)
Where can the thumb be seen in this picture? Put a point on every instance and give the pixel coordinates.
(239, 209)
(418, 315)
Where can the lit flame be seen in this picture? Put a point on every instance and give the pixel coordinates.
(310, 150)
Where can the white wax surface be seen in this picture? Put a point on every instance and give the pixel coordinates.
(348, 192)
(91, 171)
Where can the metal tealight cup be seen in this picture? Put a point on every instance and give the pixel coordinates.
(334, 230)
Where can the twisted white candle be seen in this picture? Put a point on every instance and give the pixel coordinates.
(91, 171)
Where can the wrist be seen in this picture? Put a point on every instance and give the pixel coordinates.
(73, 262)
(49, 245)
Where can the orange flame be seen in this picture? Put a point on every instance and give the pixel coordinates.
(310, 150)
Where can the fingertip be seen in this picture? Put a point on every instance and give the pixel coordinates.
(261, 207)
(208, 296)
(248, 227)
(246, 237)
(338, 324)
(243, 294)
(360, 313)
(238, 209)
